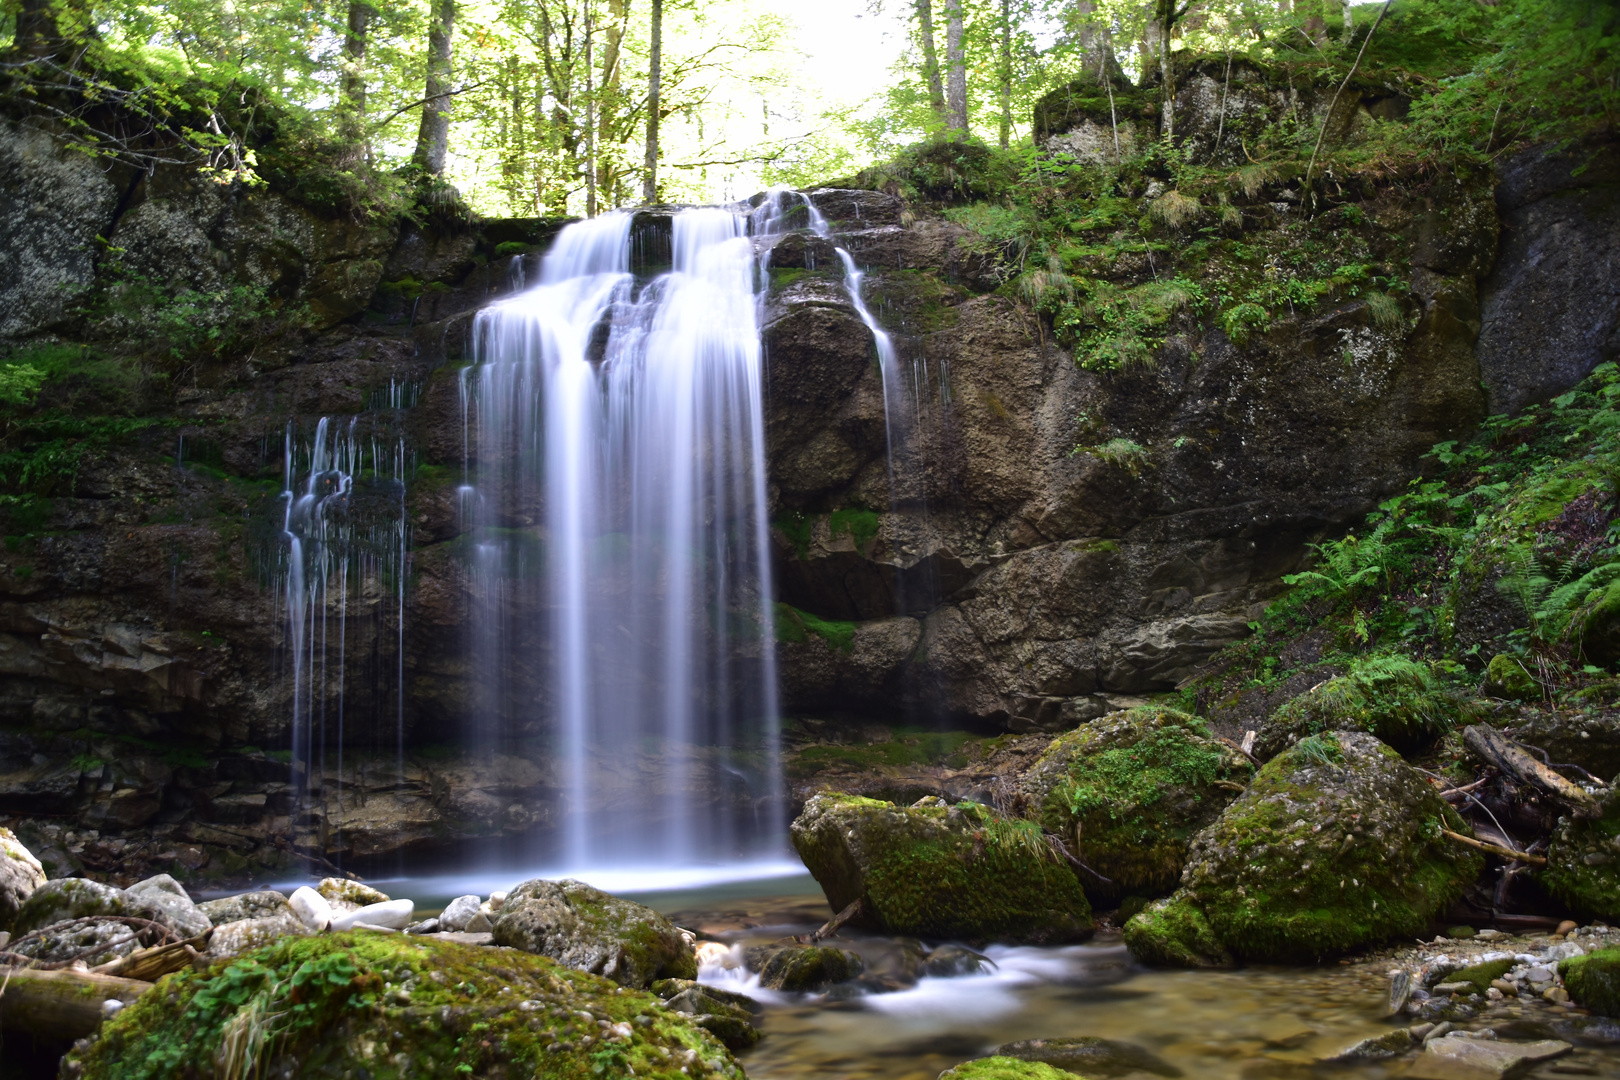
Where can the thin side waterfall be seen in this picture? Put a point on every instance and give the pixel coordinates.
(347, 545)
(621, 585)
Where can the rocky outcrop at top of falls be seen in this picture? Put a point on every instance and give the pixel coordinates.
(1055, 536)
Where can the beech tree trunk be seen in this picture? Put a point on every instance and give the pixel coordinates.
(1006, 72)
(955, 68)
(936, 90)
(433, 138)
(649, 182)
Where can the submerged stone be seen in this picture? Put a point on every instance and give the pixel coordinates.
(594, 931)
(391, 1005)
(1336, 844)
(961, 872)
(1454, 1058)
(1128, 793)
(1005, 1068)
(1090, 1056)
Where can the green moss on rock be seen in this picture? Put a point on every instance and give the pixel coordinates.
(1328, 850)
(1480, 975)
(591, 930)
(390, 1006)
(1004, 1068)
(1128, 793)
(961, 872)
(1398, 699)
(1506, 677)
(1175, 933)
(1593, 981)
(1583, 863)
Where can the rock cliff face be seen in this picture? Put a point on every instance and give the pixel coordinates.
(1003, 569)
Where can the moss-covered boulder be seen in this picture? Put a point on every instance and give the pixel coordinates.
(1336, 844)
(20, 875)
(391, 1006)
(1583, 863)
(594, 931)
(1129, 791)
(1593, 981)
(1005, 1068)
(962, 872)
(802, 968)
(1174, 933)
(1090, 1056)
(1401, 701)
(1508, 677)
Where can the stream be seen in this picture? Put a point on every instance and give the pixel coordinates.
(1255, 1023)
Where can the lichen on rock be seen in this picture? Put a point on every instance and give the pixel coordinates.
(391, 1006)
(20, 875)
(591, 930)
(1128, 792)
(1336, 844)
(958, 872)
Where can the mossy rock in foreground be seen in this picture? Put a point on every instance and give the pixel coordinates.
(594, 931)
(1583, 863)
(391, 1006)
(1593, 981)
(959, 872)
(1335, 845)
(1005, 1068)
(1129, 791)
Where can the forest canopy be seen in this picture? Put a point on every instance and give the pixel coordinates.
(554, 107)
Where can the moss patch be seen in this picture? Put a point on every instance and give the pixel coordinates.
(1004, 1068)
(1175, 933)
(960, 872)
(1593, 981)
(391, 1006)
(1583, 861)
(794, 626)
(1129, 792)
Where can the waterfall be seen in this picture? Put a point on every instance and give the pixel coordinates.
(619, 567)
(347, 544)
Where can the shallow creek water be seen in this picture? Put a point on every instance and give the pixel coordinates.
(1251, 1024)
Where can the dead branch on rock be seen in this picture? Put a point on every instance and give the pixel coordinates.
(1495, 748)
(150, 965)
(16, 959)
(1494, 849)
(832, 925)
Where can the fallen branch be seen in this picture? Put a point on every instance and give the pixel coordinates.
(1494, 849)
(1494, 748)
(832, 925)
(61, 1005)
(150, 965)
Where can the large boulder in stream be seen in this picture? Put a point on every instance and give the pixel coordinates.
(1005, 1068)
(369, 1004)
(1336, 844)
(1129, 791)
(591, 930)
(962, 872)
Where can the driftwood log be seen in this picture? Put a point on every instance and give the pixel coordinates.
(1495, 748)
(60, 1005)
(150, 965)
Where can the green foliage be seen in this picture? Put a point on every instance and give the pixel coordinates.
(20, 383)
(1121, 453)
(794, 626)
(859, 524)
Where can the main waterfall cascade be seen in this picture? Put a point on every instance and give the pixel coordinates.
(620, 539)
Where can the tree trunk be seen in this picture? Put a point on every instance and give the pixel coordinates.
(606, 181)
(1006, 72)
(1348, 28)
(649, 183)
(352, 110)
(433, 138)
(955, 68)
(936, 90)
(37, 34)
(1096, 55)
(1315, 26)
(1164, 20)
(590, 117)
